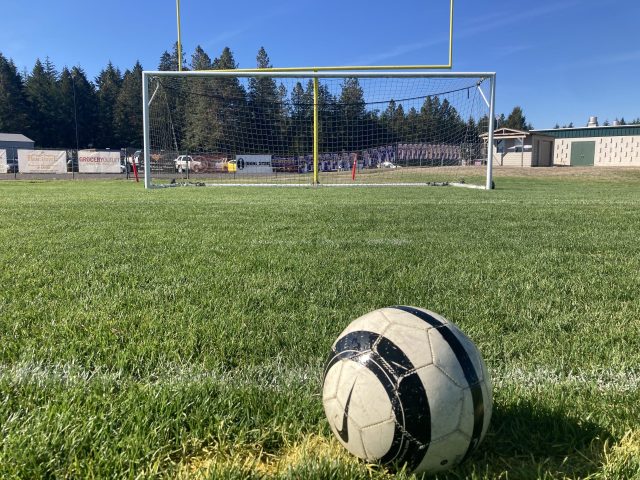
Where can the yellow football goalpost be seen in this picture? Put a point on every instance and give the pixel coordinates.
(335, 68)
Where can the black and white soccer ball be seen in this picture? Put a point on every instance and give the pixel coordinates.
(405, 387)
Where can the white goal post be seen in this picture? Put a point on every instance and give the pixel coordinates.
(269, 127)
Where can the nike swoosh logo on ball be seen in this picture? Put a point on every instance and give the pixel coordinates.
(343, 432)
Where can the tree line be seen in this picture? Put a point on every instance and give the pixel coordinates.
(65, 108)
(226, 115)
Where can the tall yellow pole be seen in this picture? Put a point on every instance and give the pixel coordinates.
(450, 35)
(179, 36)
(315, 130)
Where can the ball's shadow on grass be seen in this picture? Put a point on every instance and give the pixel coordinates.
(528, 441)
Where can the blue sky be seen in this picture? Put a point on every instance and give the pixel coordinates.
(561, 60)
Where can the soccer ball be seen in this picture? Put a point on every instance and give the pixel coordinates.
(404, 386)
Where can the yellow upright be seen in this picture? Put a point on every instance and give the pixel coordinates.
(316, 130)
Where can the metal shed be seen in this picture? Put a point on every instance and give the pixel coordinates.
(11, 142)
(600, 146)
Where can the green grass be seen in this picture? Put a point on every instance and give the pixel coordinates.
(181, 332)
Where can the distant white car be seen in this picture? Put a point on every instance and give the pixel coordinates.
(184, 162)
(388, 164)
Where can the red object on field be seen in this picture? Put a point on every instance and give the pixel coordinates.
(353, 168)
(135, 170)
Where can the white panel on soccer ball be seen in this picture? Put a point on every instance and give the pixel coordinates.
(349, 375)
(400, 317)
(335, 414)
(445, 401)
(370, 402)
(465, 425)
(412, 341)
(377, 439)
(332, 380)
(444, 453)
(406, 318)
(445, 358)
(374, 322)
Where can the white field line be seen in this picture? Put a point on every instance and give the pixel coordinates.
(328, 241)
(277, 376)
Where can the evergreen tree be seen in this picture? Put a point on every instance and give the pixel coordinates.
(412, 124)
(265, 102)
(483, 125)
(66, 125)
(352, 115)
(517, 120)
(44, 106)
(301, 112)
(200, 60)
(169, 61)
(13, 103)
(109, 83)
(430, 114)
(392, 122)
(86, 108)
(233, 111)
(192, 103)
(166, 64)
(127, 115)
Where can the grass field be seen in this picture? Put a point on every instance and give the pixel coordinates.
(181, 332)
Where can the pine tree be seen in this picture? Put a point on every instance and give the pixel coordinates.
(169, 61)
(13, 103)
(44, 107)
(66, 125)
(265, 102)
(301, 112)
(233, 111)
(430, 114)
(200, 60)
(128, 109)
(517, 120)
(109, 82)
(86, 108)
(392, 121)
(352, 114)
(203, 127)
(166, 64)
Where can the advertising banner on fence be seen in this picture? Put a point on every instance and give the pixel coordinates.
(42, 161)
(253, 164)
(90, 161)
(3, 161)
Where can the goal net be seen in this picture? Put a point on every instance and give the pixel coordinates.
(304, 128)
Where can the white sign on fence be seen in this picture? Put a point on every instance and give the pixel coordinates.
(90, 161)
(253, 164)
(42, 161)
(3, 161)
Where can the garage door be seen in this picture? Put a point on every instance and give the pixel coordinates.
(582, 153)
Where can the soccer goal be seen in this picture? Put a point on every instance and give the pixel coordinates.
(266, 127)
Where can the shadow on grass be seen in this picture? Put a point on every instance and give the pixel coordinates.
(528, 441)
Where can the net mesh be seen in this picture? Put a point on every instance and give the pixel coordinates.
(370, 129)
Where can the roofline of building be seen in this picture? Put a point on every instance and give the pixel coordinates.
(583, 128)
